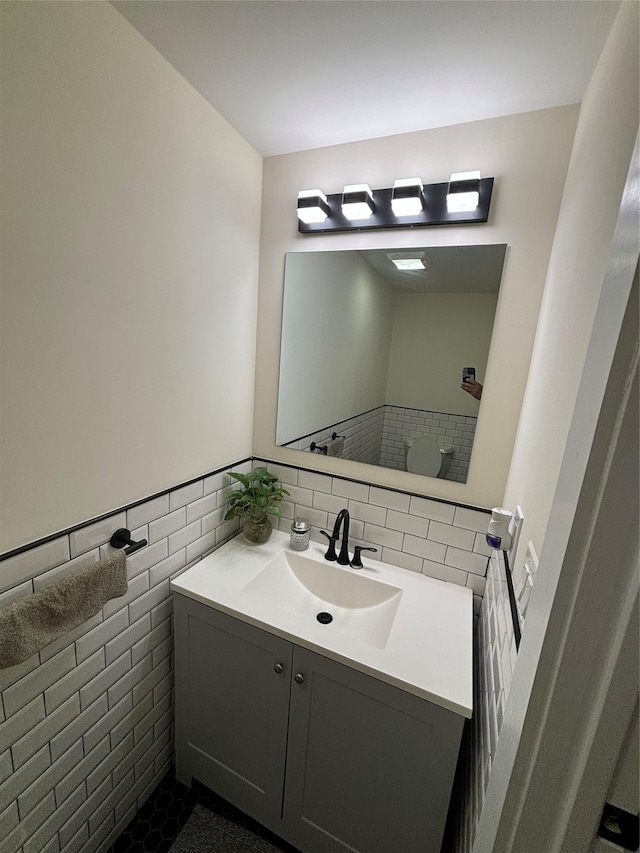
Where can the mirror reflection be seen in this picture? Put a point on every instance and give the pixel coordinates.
(373, 350)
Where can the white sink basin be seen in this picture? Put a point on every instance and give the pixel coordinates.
(399, 626)
(361, 607)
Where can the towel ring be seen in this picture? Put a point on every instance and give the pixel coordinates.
(122, 539)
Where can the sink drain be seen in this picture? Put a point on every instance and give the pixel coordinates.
(324, 618)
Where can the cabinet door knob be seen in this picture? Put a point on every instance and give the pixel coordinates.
(298, 678)
(277, 667)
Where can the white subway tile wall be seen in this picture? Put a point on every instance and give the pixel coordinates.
(422, 535)
(495, 662)
(362, 437)
(379, 437)
(401, 423)
(86, 724)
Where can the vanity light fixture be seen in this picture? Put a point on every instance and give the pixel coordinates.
(406, 198)
(312, 206)
(357, 202)
(463, 200)
(463, 194)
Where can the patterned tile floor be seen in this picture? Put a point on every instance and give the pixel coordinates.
(157, 824)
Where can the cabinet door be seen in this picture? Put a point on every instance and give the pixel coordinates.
(232, 704)
(369, 767)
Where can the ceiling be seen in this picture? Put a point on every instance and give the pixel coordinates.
(448, 269)
(290, 75)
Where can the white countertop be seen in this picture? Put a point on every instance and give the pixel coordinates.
(428, 651)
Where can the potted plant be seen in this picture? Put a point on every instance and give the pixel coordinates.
(255, 502)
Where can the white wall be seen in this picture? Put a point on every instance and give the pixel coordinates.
(435, 335)
(528, 156)
(129, 270)
(599, 164)
(337, 323)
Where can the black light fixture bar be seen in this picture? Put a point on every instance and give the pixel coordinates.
(434, 213)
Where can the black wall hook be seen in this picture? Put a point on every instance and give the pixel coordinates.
(321, 448)
(122, 539)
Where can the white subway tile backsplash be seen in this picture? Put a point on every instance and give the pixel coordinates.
(216, 481)
(136, 586)
(6, 767)
(106, 718)
(101, 683)
(398, 558)
(32, 822)
(212, 520)
(183, 537)
(424, 548)
(101, 635)
(390, 499)
(476, 583)
(28, 564)
(44, 731)
(201, 507)
(383, 536)
(465, 560)
(21, 722)
(163, 527)
(329, 503)
(368, 512)
(66, 569)
(76, 678)
(129, 681)
(24, 777)
(49, 778)
(427, 508)
(147, 557)
(186, 494)
(349, 489)
(126, 638)
(201, 546)
(449, 535)
(314, 481)
(96, 534)
(472, 519)
(8, 819)
(413, 524)
(444, 573)
(23, 691)
(108, 722)
(148, 511)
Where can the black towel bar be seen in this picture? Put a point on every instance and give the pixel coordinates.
(122, 539)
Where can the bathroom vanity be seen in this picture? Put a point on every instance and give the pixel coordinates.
(339, 733)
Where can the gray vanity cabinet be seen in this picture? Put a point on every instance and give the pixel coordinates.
(328, 758)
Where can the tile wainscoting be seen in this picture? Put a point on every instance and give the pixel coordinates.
(86, 724)
(379, 437)
(495, 661)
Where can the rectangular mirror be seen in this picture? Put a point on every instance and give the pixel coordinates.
(374, 343)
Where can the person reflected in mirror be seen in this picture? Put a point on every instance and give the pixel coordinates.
(472, 387)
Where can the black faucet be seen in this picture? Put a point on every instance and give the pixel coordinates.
(343, 557)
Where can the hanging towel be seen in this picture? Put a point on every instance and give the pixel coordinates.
(33, 622)
(335, 446)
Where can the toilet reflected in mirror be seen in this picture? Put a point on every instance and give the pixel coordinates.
(373, 350)
(427, 456)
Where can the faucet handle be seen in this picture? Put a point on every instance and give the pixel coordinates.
(356, 563)
(331, 550)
